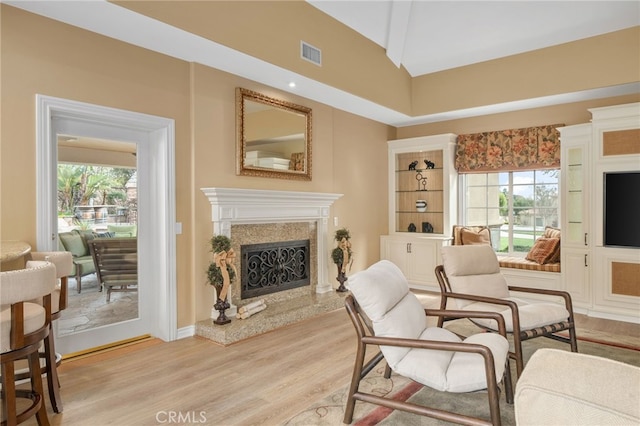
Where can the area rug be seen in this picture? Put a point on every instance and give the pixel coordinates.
(330, 410)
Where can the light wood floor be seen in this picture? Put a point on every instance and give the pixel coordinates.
(264, 380)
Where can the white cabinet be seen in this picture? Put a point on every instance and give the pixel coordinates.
(417, 257)
(576, 239)
(602, 279)
(615, 270)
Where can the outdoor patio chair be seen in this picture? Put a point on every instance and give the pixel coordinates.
(116, 261)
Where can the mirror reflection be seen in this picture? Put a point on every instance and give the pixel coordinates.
(274, 137)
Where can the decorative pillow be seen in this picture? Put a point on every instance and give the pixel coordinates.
(543, 250)
(470, 237)
(550, 232)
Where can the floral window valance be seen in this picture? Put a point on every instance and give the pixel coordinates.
(509, 150)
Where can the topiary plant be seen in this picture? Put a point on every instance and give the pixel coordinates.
(342, 236)
(219, 243)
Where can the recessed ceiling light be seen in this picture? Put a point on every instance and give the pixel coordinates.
(292, 84)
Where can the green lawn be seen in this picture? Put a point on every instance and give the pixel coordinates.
(519, 244)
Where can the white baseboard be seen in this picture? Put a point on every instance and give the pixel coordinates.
(614, 317)
(184, 332)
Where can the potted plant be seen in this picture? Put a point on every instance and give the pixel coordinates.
(342, 256)
(221, 273)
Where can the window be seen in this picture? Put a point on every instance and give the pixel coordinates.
(517, 206)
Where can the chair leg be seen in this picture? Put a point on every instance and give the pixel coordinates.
(508, 384)
(78, 279)
(573, 339)
(36, 385)
(517, 354)
(9, 393)
(494, 403)
(355, 383)
(387, 371)
(53, 381)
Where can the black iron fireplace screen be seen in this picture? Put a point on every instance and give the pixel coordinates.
(271, 267)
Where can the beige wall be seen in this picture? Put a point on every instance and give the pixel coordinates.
(356, 65)
(567, 114)
(595, 62)
(40, 56)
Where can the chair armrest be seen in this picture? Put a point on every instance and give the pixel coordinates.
(515, 314)
(437, 345)
(559, 293)
(485, 299)
(470, 314)
(429, 344)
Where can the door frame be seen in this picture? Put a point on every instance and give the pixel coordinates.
(161, 242)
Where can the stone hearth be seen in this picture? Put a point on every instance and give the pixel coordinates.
(262, 216)
(276, 315)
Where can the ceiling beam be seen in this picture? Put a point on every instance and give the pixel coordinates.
(398, 26)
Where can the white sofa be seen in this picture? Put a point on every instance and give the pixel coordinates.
(565, 388)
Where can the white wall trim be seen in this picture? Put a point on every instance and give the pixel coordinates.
(243, 206)
(159, 142)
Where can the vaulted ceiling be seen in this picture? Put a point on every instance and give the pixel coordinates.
(392, 43)
(429, 36)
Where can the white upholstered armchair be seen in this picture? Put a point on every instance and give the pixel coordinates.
(471, 276)
(386, 314)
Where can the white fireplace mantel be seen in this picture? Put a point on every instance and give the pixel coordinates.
(232, 206)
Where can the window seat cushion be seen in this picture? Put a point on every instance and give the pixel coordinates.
(522, 263)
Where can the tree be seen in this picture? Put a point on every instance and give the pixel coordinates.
(78, 184)
(503, 203)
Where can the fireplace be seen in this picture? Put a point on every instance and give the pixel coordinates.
(249, 216)
(272, 267)
(274, 218)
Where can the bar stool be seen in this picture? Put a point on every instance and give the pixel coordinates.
(23, 328)
(63, 261)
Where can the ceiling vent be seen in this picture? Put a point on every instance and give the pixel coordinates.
(310, 53)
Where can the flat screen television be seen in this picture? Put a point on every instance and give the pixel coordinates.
(621, 209)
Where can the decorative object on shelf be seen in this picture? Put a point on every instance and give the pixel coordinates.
(422, 181)
(342, 256)
(412, 228)
(221, 273)
(421, 205)
(430, 164)
(413, 165)
(427, 227)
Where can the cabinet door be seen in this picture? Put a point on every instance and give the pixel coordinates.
(575, 270)
(576, 202)
(397, 251)
(422, 261)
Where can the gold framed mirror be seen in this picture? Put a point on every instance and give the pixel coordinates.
(273, 137)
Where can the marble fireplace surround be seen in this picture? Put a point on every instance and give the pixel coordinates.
(245, 212)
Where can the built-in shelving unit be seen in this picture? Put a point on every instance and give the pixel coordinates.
(420, 169)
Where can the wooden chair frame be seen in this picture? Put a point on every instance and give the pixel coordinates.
(24, 346)
(366, 338)
(518, 335)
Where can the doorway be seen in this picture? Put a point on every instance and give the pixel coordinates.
(154, 140)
